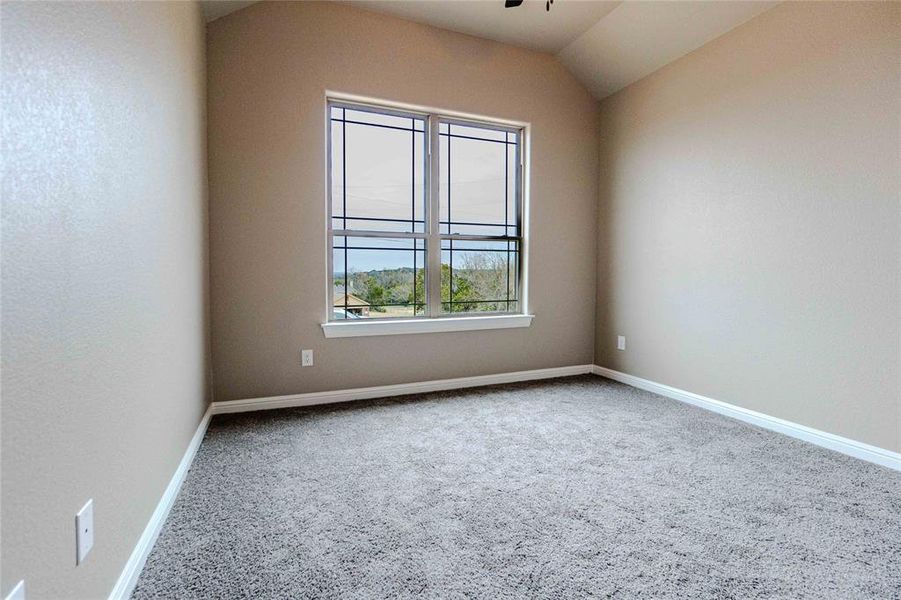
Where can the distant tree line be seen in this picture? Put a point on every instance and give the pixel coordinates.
(479, 276)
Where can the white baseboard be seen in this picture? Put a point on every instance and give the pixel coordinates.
(866, 452)
(132, 571)
(129, 577)
(385, 391)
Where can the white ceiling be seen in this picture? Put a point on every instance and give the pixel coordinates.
(607, 44)
(213, 9)
(528, 25)
(637, 38)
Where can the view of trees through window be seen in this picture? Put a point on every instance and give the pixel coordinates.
(380, 205)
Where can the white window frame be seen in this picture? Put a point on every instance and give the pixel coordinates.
(434, 320)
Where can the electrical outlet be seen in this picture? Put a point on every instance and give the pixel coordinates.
(620, 342)
(306, 358)
(84, 531)
(18, 592)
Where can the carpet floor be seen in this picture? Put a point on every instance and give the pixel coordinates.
(563, 488)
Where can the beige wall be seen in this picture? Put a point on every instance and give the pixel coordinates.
(103, 275)
(749, 220)
(269, 67)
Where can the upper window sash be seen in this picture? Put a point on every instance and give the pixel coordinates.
(392, 198)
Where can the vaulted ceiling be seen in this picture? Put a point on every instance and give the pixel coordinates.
(528, 25)
(213, 9)
(607, 44)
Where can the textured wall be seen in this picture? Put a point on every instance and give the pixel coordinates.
(103, 273)
(269, 67)
(749, 220)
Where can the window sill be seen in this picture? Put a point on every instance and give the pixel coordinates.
(407, 326)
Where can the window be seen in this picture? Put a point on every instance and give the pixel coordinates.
(425, 215)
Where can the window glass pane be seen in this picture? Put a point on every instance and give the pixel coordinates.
(377, 118)
(477, 181)
(512, 188)
(479, 276)
(419, 167)
(483, 133)
(443, 183)
(378, 278)
(376, 224)
(336, 161)
(339, 276)
(377, 171)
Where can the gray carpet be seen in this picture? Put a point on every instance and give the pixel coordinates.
(564, 488)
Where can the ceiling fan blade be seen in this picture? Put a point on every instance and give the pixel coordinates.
(512, 3)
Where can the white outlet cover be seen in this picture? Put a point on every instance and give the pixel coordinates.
(620, 342)
(84, 531)
(18, 592)
(306, 358)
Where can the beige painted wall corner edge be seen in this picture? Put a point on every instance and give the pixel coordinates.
(125, 585)
(830, 441)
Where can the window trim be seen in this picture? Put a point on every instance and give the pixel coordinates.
(435, 321)
(394, 326)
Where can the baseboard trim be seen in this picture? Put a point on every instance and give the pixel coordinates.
(385, 391)
(873, 454)
(132, 571)
(129, 577)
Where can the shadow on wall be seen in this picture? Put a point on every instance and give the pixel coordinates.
(606, 313)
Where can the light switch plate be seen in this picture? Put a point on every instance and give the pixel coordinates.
(84, 531)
